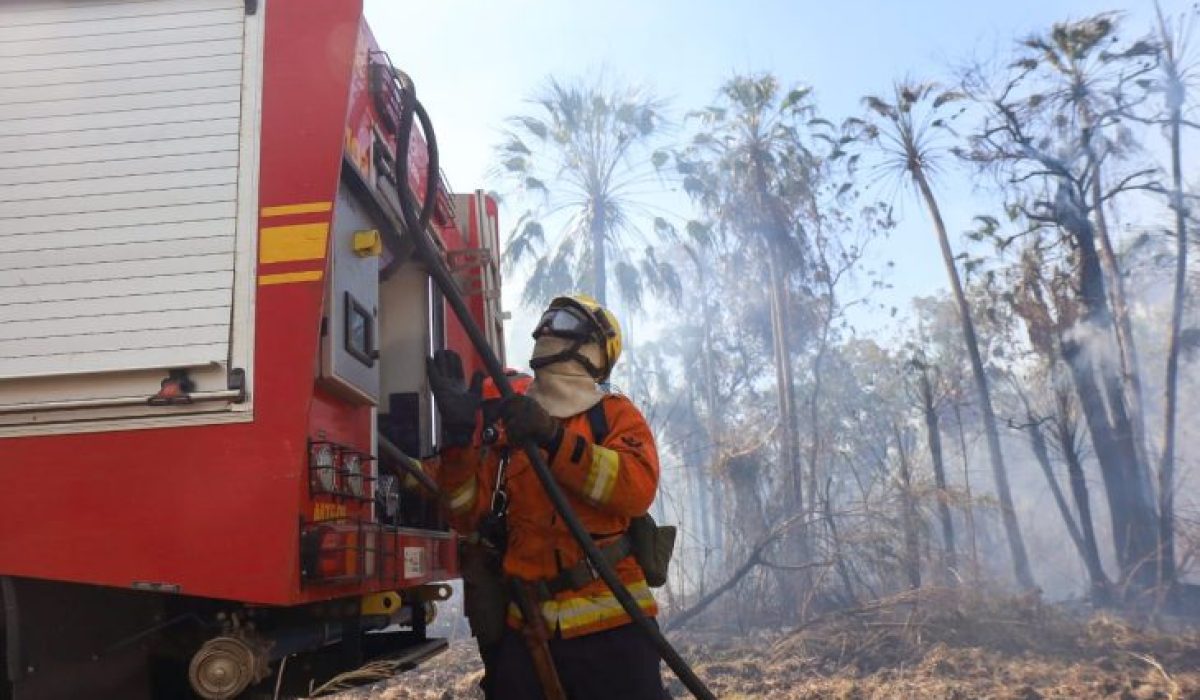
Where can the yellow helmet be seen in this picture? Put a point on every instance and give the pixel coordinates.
(583, 319)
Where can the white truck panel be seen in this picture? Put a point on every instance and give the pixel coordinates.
(120, 321)
(223, 92)
(77, 21)
(126, 208)
(120, 87)
(77, 12)
(128, 271)
(108, 184)
(156, 197)
(81, 75)
(116, 236)
(117, 289)
(216, 210)
(44, 39)
(138, 250)
(66, 172)
(188, 113)
(103, 307)
(92, 361)
(130, 56)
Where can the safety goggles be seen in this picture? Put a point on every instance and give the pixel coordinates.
(565, 322)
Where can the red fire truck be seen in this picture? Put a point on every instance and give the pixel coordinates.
(212, 341)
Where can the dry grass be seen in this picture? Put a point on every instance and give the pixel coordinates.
(937, 643)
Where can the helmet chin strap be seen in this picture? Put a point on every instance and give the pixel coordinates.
(571, 353)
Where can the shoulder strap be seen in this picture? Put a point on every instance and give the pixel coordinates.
(598, 422)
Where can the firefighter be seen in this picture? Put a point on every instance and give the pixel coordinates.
(564, 634)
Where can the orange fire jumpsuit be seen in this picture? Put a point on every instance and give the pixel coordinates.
(606, 485)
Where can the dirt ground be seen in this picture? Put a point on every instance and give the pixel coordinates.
(941, 644)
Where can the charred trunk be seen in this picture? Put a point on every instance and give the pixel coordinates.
(908, 516)
(1166, 470)
(839, 556)
(934, 434)
(1041, 452)
(1102, 401)
(1064, 429)
(1016, 544)
(970, 498)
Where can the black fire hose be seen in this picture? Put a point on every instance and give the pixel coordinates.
(417, 228)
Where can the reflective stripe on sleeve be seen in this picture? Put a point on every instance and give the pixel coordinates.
(602, 476)
(463, 497)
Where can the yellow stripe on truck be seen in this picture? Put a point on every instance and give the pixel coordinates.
(290, 209)
(292, 243)
(289, 277)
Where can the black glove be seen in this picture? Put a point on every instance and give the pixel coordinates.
(457, 403)
(525, 419)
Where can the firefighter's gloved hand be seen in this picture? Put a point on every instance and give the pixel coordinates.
(457, 403)
(525, 419)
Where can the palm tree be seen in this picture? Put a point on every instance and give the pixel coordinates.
(752, 176)
(906, 130)
(1175, 79)
(1086, 81)
(580, 159)
(1053, 126)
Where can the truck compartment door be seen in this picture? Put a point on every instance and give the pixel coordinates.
(127, 201)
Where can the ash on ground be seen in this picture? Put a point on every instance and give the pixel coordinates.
(936, 644)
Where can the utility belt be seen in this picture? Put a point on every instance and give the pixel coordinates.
(583, 573)
(488, 591)
(650, 544)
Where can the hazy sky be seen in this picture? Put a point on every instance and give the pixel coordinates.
(474, 61)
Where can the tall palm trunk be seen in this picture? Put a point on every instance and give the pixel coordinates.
(908, 516)
(774, 232)
(818, 372)
(599, 226)
(1016, 543)
(934, 433)
(794, 590)
(711, 526)
(1166, 470)
(814, 406)
(970, 498)
(789, 447)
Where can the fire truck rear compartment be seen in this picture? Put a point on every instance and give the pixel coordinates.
(202, 277)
